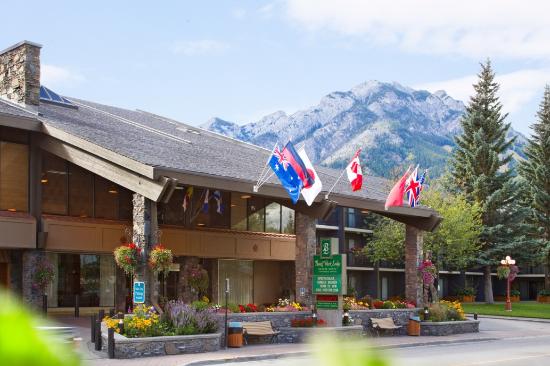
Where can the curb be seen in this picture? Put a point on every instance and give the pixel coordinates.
(515, 318)
(305, 353)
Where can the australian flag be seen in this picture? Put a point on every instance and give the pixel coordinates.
(286, 173)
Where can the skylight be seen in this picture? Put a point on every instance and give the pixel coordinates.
(49, 96)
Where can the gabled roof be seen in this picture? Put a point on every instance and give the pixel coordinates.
(192, 155)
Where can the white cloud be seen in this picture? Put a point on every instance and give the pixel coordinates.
(472, 28)
(199, 47)
(517, 88)
(56, 76)
(239, 13)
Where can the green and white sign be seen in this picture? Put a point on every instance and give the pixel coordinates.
(326, 248)
(327, 274)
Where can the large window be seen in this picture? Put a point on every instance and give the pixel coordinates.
(241, 280)
(14, 176)
(70, 190)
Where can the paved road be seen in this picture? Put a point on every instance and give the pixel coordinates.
(510, 352)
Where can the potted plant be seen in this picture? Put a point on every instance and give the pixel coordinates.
(543, 296)
(514, 295)
(466, 294)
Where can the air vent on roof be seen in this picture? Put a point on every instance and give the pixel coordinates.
(48, 96)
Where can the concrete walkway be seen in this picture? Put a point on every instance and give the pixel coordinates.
(490, 330)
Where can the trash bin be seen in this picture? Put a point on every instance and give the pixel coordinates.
(235, 334)
(413, 327)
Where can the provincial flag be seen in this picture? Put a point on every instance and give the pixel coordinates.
(293, 158)
(217, 195)
(205, 203)
(187, 198)
(395, 198)
(309, 193)
(354, 173)
(288, 177)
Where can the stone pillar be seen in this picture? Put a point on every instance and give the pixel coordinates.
(20, 73)
(306, 245)
(144, 231)
(185, 292)
(413, 258)
(31, 295)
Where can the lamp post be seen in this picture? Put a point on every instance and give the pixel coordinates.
(508, 262)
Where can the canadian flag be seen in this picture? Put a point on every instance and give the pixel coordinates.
(353, 170)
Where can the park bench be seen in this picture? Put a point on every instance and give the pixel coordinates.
(259, 329)
(378, 326)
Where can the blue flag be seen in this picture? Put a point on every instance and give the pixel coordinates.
(286, 174)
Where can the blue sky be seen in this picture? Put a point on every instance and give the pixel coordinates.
(240, 60)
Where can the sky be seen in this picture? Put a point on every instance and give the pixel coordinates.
(241, 60)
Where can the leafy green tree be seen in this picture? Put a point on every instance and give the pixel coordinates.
(480, 171)
(536, 171)
(454, 244)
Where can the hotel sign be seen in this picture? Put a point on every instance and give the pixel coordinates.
(327, 274)
(139, 292)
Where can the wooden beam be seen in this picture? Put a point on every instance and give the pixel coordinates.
(151, 189)
(130, 164)
(24, 123)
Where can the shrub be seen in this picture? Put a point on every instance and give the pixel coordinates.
(388, 305)
(515, 293)
(445, 311)
(377, 304)
(200, 305)
(544, 292)
(438, 313)
(466, 291)
(186, 319)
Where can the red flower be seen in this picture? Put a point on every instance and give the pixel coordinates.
(377, 304)
(159, 247)
(242, 309)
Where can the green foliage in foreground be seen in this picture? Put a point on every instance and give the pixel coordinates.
(329, 351)
(22, 344)
(519, 309)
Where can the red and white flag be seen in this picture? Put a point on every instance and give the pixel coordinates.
(355, 175)
(395, 198)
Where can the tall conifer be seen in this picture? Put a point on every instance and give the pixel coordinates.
(536, 171)
(480, 171)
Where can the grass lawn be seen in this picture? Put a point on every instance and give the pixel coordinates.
(524, 309)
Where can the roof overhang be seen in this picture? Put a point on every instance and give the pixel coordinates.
(24, 123)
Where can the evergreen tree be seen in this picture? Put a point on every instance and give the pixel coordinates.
(480, 171)
(536, 171)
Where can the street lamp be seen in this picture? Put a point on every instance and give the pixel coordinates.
(508, 262)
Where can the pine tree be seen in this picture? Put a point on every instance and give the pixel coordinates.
(480, 171)
(536, 171)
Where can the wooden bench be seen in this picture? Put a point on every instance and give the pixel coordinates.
(378, 325)
(259, 329)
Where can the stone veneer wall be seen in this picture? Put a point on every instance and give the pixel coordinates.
(449, 328)
(399, 316)
(162, 346)
(301, 335)
(20, 73)
(31, 295)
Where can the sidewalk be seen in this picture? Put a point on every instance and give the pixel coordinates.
(490, 330)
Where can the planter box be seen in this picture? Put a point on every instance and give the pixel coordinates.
(301, 335)
(467, 298)
(449, 328)
(161, 346)
(544, 299)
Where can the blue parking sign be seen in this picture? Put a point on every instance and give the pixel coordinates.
(139, 292)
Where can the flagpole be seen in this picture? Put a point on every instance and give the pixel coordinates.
(334, 185)
(257, 186)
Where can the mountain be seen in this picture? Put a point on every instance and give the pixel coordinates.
(393, 124)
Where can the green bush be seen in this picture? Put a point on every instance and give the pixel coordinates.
(438, 313)
(388, 305)
(466, 291)
(515, 293)
(544, 292)
(200, 305)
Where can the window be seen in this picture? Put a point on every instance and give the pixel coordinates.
(172, 213)
(209, 208)
(14, 176)
(256, 214)
(106, 198)
(81, 188)
(238, 211)
(125, 205)
(287, 220)
(273, 218)
(54, 185)
(241, 280)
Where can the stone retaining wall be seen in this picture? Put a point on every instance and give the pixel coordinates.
(301, 335)
(399, 316)
(449, 328)
(161, 346)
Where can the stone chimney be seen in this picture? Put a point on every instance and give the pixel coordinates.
(20, 73)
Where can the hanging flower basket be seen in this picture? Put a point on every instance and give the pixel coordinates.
(197, 278)
(160, 259)
(127, 257)
(43, 274)
(428, 271)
